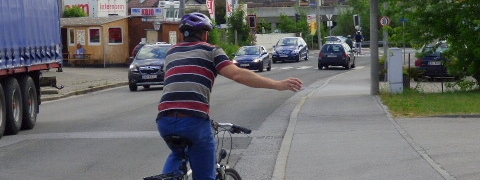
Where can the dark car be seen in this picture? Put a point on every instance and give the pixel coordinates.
(137, 48)
(147, 66)
(336, 54)
(290, 49)
(253, 58)
(431, 60)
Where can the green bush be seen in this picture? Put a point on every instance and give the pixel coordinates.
(413, 72)
(229, 49)
(214, 37)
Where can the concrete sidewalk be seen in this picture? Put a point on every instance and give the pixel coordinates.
(340, 131)
(76, 81)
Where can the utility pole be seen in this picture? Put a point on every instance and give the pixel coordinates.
(181, 10)
(374, 88)
(319, 23)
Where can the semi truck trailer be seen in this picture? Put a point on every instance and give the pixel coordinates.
(30, 43)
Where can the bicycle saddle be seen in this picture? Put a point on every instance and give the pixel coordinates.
(177, 141)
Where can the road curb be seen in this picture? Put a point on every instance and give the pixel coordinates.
(78, 92)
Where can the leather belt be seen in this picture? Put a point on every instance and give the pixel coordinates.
(177, 114)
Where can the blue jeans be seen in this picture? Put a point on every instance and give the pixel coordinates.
(201, 154)
(358, 45)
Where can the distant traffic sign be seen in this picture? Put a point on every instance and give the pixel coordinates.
(385, 21)
(329, 16)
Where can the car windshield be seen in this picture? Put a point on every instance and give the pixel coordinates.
(333, 48)
(252, 50)
(288, 42)
(438, 49)
(152, 52)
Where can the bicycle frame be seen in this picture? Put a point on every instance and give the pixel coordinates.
(223, 170)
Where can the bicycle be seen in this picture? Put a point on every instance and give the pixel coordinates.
(224, 172)
(357, 49)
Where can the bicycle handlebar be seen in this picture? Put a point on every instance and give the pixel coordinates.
(232, 128)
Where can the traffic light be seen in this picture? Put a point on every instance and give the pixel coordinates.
(252, 21)
(356, 20)
(297, 17)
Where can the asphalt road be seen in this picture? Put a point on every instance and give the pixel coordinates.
(111, 134)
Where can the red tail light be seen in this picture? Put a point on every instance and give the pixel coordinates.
(320, 54)
(345, 55)
(418, 62)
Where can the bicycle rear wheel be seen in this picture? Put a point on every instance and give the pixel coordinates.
(230, 174)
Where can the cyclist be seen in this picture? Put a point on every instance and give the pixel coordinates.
(358, 41)
(191, 67)
(349, 41)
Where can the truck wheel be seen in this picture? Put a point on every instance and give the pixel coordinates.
(13, 104)
(30, 102)
(2, 112)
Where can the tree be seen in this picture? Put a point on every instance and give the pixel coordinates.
(344, 19)
(238, 29)
(289, 24)
(286, 24)
(75, 11)
(457, 22)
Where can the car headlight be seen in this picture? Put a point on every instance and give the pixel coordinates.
(234, 61)
(133, 67)
(295, 51)
(257, 60)
(274, 53)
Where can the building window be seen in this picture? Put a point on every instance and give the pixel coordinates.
(71, 37)
(115, 35)
(94, 36)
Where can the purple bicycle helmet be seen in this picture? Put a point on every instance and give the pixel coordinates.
(194, 22)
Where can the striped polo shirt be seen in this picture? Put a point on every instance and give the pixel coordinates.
(190, 71)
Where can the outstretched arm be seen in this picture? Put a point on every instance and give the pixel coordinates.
(250, 78)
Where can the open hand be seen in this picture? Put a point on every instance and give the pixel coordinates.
(292, 84)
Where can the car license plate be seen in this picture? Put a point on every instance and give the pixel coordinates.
(149, 76)
(331, 55)
(283, 55)
(244, 65)
(434, 63)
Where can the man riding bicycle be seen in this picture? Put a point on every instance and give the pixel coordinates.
(190, 70)
(358, 41)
